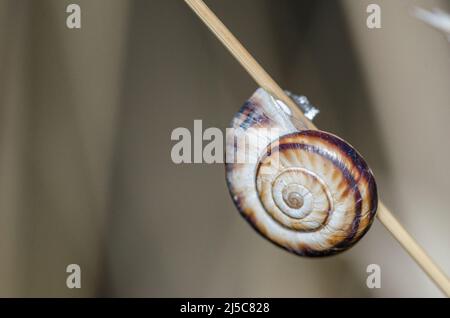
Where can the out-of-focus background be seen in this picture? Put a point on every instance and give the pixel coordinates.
(86, 116)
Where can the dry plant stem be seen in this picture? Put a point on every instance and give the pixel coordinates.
(244, 58)
(411, 246)
(265, 81)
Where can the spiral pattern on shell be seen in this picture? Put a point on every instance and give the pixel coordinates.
(307, 191)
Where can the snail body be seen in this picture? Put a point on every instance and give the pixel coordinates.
(307, 191)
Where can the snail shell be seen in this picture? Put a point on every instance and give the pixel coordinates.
(307, 191)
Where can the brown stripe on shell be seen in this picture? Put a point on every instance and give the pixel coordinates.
(249, 116)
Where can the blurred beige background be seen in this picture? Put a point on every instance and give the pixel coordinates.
(85, 121)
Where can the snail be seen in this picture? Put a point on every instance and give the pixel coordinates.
(307, 191)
